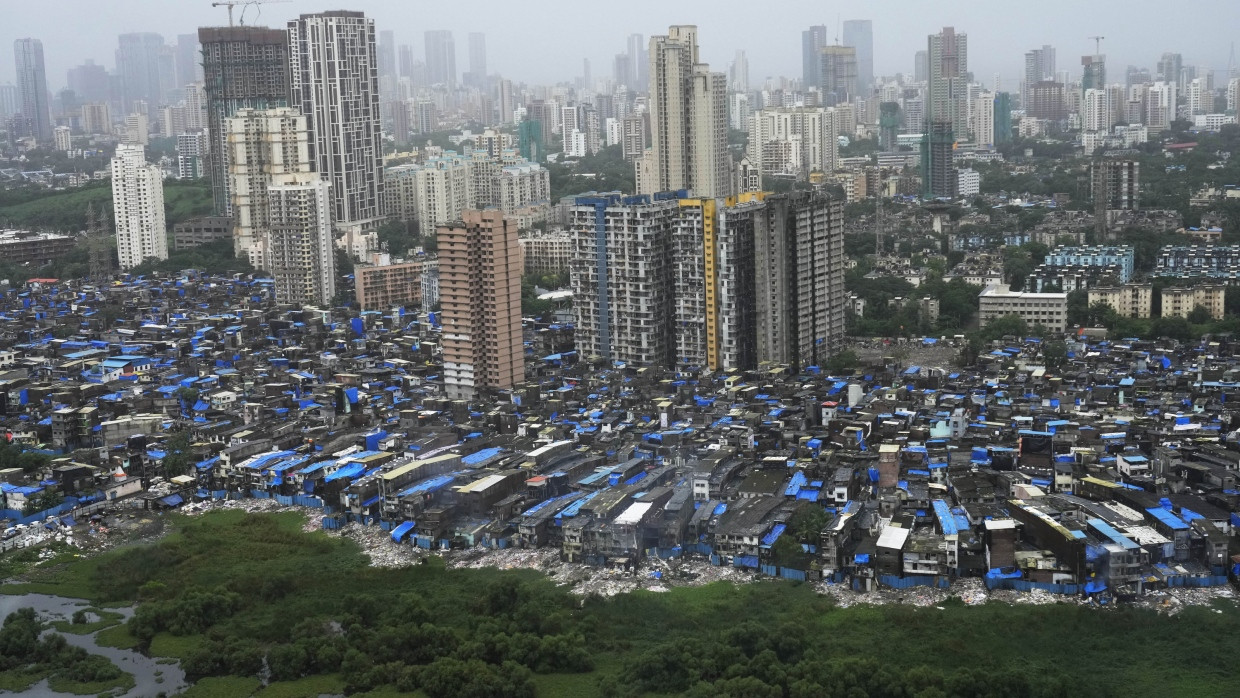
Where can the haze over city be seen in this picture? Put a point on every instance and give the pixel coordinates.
(545, 42)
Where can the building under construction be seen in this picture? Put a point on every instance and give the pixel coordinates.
(938, 170)
(243, 68)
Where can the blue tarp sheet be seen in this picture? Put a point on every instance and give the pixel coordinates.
(172, 500)
(399, 532)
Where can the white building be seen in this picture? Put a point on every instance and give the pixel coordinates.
(1160, 106)
(262, 144)
(982, 119)
(62, 138)
(968, 182)
(192, 154)
(1096, 111)
(794, 141)
(1198, 98)
(138, 207)
(688, 119)
(615, 131)
(1047, 309)
(1233, 95)
(301, 257)
(335, 84)
(1212, 122)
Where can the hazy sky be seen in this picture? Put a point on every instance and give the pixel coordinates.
(543, 41)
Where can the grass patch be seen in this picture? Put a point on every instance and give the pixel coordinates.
(19, 681)
(223, 687)
(576, 685)
(117, 636)
(90, 688)
(175, 646)
(256, 585)
(107, 619)
(307, 687)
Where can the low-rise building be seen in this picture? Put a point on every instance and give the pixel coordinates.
(1180, 302)
(1047, 309)
(1129, 300)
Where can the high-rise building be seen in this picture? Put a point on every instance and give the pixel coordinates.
(921, 66)
(90, 82)
(738, 75)
(947, 94)
(243, 68)
(188, 59)
(262, 144)
(982, 122)
(1115, 184)
(96, 118)
(192, 154)
(1039, 67)
(138, 207)
(480, 294)
(1160, 106)
(300, 255)
(1170, 66)
(335, 85)
(688, 118)
(1046, 101)
(441, 58)
(799, 278)
(1233, 95)
(812, 41)
(386, 53)
(1003, 117)
(36, 119)
(146, 68)
(1094, 76)
(794, 141)
(715, 304)
(622, 276)
(1096, 110)
(406, 61)
(938, 168)
(478, 58)
(10, 101)
(838, 75)
(639, 63)
(859, 34)
(62, 137)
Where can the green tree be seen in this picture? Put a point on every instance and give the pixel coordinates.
(1055, 352)
(179, 455)
(42, 501)
(842, 362)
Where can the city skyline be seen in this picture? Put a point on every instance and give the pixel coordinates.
(1000, 35)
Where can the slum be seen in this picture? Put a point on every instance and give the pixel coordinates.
(1111, 476)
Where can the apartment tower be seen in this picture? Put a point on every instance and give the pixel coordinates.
(138, 207)
(335, 84)
(480, 293)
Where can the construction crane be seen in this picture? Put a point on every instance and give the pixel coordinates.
(1097, 44)
(230, 4)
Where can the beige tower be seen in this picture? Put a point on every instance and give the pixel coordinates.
(480, 295)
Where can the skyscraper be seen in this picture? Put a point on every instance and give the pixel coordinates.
(301, 256)
(406, 61)
(859, 33)
(89, 82)
(740, 72)
(838, 74)
(335, 85)
(387, 55)
(639, 63)
(441, 58)
(799, 260)
(812, 41)
(1039, 66)
(921, 66)
(138, 207)
(947, 96)
(262, 144)
(35, 117)
(480, 293)
(478, 58)
(1003, 117)
(243, 68)
(142, 66)
(1094, 76)
(188, 59)
(982, 122)
(10, 101)
(688, 118)
(622, 275)
(938, 167)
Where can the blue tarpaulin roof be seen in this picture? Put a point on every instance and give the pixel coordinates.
(172, 500)
(399, 532)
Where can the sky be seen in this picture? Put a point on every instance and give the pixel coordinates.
(544, 41)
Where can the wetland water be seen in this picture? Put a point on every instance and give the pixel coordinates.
(146, 672)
